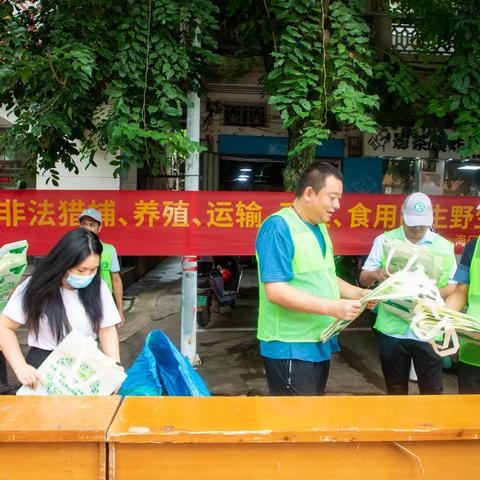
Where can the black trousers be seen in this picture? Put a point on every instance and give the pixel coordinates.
(36, 356)
(396, 355)
(3, 369)
(296, 377)
(468, 378)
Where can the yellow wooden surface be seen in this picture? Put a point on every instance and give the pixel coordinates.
(444, 460)
(53, 461)
(296, 419)
(261, 438)
(55, 419)
(55, 437)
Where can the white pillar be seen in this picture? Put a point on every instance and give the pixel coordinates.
(189, 264)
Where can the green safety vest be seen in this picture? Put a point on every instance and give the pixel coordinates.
(312, 273)
(389, 323)
(106, 264)
(470, 352)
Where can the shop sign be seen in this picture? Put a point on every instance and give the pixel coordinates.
(412, 142)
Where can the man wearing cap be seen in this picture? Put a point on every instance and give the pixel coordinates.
(91, 219)
(467, 293)
(398, 345)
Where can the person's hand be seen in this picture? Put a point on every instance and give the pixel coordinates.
(372, 303)
(122, 316)
(28, 376)
(380, 275)
(358, 293)
(346, 309)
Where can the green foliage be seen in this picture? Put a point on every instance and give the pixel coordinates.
(399, 78)
(449, 94)
(463, 99)
(351, 57)
(321, 67)
(83, 75)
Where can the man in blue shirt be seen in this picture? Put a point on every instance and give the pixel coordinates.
(296, 362)
(468, 373)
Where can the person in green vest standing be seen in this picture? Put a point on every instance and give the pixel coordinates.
(467, 293)
(398, 345)
(91, 219)
(300, 293)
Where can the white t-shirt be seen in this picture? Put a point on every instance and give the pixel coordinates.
(76, 315)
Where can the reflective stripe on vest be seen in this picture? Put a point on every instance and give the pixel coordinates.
(388, 322)
(313, 274)
(470, 352)
(106, 264)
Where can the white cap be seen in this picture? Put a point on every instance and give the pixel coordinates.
(92, 213)
(417, 210)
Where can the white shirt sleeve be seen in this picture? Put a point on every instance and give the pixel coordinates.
(110, 311)
(14, 309)
(115, 266)
(374, 260)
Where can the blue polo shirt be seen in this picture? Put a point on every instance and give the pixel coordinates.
(462, 275)
(275, 254)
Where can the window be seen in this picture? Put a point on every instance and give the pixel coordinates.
(246, 115)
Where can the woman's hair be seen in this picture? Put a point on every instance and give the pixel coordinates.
(42, 295)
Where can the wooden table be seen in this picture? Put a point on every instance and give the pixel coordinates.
(424, 437)
(54, 437)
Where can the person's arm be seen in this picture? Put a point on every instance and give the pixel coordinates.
(108, 338)
(446, 291)
(351, 292)
(372, 271)
(26, 374)
(458, 299)
(117, 290)
(291, 298)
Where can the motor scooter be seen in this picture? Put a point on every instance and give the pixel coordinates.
(218, 279)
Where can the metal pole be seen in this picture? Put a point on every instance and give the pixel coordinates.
(189, 264)
(417, 173)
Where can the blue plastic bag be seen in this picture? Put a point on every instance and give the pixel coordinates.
(142, 377)
(160, 366)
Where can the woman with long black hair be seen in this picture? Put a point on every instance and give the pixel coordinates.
(65, 292)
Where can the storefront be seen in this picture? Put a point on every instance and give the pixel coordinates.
(248, 162)
(423, 160)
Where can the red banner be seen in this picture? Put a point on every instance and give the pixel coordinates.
(152, 222)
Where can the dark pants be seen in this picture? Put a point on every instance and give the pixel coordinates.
(396, 355)
(468, 378)
(36, 356)
(3, 369)
(295, 377)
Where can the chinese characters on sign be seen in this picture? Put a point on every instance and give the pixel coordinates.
(209, 223)
(144, 213)
(417, 139)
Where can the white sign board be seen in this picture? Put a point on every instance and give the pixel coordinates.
(411, 143)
